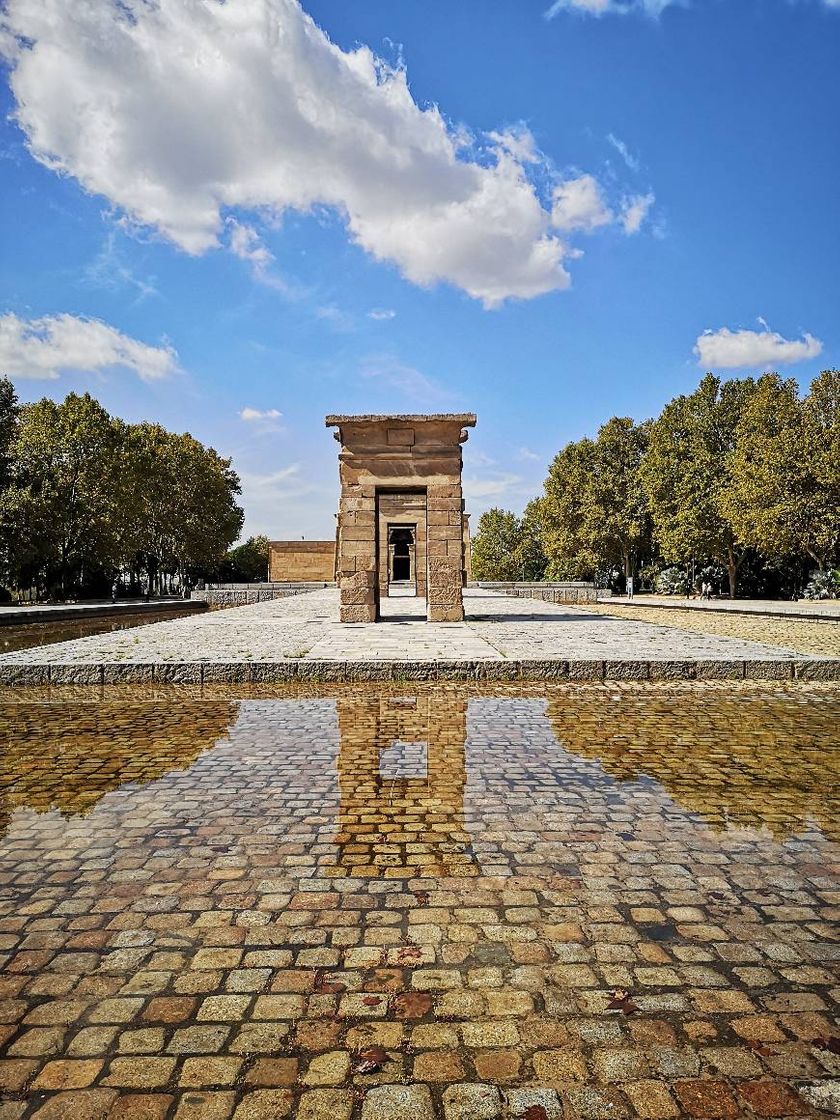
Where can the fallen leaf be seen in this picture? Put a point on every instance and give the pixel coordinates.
(534, 1112)
(620, 1001)
(370, 1060)
(412, 1005)
(831, 1044)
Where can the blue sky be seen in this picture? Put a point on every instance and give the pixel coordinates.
(235, 218)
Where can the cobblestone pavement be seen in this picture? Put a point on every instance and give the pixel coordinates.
(306, 627)
(818, 638)
(377, 904)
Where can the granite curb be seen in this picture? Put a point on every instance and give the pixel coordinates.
(269, 672)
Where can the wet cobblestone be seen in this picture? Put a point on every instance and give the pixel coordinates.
(591, 900)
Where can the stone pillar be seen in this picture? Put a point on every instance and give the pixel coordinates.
(446, 554)
(357, 554)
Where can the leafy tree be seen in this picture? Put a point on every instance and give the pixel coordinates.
(595, 510)
(9, 412)
(617, 523)
(248, 562)
(567, 546)
(687, 474)
(60, 498)
(529, 554)
(177, 509)
(494, 546)
(785, 492)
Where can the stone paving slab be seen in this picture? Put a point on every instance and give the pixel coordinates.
(502, 639)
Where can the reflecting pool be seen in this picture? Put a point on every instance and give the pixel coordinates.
(33, 634)
(415, 901)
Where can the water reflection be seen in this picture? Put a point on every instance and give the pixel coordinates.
(402, 773)
(67, 756)
(754, 759)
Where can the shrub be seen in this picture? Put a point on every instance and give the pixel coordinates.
(823, 585)
(672, 581)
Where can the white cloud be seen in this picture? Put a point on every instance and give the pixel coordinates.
(625, 153)
(182, 111)
(726, 349)
(579, 205)
(479, 489)
(256, 414)
(652, 8)
(407, 380)
(528, 455)
(634, 211)
(608, 7)
(44, 348)
(381, 314)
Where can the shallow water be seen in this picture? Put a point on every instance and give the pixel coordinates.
(617, 901)
(13, 638)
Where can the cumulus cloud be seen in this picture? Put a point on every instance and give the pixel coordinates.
(381, 314)
(579, 205)
(44, 348)
(726, 349)
(255, 414)
(184, 113)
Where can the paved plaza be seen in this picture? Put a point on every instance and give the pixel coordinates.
(501, 638)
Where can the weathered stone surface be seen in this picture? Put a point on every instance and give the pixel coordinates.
(472, 1102)
(304, 561)
(398, 1102)
(401, 489)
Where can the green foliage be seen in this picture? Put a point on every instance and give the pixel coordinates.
(687, 473)
(595, 512)
(494, 547)
(785, 491)
(739, 479)
(672, 581)
(247, 563)
(823, 585)
(529, 553)
(88, 496)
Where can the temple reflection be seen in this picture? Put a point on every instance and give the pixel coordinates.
(401, 775)
(68, 756)
(735, 758)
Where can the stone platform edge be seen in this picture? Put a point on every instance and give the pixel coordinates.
(265, 672)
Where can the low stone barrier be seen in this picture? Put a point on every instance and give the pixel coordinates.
(245, 594)
(546, 591)
(503, 670)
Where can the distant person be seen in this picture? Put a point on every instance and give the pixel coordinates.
(114, 591)
(629, 587)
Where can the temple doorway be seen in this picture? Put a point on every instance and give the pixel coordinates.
(401, 554)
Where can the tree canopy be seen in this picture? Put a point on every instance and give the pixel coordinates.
(87, 498)
(741, 475)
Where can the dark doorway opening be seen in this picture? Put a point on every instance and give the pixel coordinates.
(401, 548)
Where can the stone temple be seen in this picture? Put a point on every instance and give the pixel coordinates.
(401, 520)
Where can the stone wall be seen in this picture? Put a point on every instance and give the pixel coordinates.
(548, 592)
(301, 561)
(245, 594)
